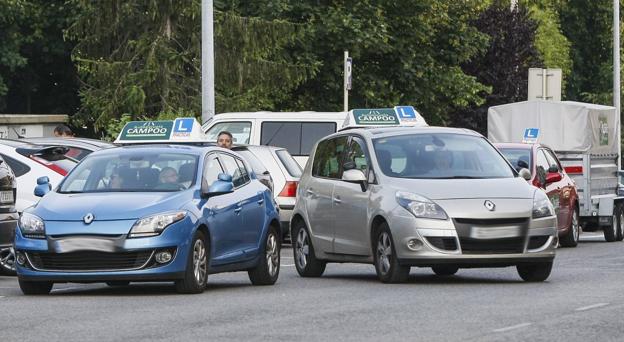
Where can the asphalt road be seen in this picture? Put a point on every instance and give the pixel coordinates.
(583, 300)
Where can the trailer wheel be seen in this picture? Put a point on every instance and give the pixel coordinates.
(610, 231)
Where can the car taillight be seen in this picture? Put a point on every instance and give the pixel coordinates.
(289, 190)
(49, 165)
(573, 170)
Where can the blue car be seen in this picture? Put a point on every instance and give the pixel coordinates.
(150, 213)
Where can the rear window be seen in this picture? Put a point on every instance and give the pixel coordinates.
(296, 137)
(289, 163)
(19, 169)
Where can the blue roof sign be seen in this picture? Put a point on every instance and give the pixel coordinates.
(530, 135)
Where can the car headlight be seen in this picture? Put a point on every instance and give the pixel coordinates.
(420, 206)
(32, 226)
(541, 205)
(155, 224)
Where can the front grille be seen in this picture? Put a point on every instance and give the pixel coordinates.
(89, 261)
(444, 243)
(493, 246)
(537, 241)
(492, 222)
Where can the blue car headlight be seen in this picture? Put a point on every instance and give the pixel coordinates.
(155, 224)
(420, 206)
(32, 226)
(541, 205)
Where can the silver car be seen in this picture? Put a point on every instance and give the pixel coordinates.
(428, 197)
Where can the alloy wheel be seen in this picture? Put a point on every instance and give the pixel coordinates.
(302, 249)
(7, 258)
(272, 254)
(384, 252)
(200, 262)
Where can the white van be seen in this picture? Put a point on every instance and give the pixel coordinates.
(295, 131)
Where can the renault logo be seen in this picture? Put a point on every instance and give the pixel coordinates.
(88, 218)
(489, 205)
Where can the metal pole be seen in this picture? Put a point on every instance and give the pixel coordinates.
(207, 61)
(616, 73)
(345, 82)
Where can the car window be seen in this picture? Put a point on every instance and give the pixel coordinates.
(296, 137)
(241, 131)
(552, 160)
(292, 167)
(518, 157)
(440, 156)
(133, 171)
(212, 169)
(239, 175)
(328, 157)
(19, 169)
(356, 156)
(541, 166)
(256, 164)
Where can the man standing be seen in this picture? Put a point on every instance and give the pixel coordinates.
(224, 139)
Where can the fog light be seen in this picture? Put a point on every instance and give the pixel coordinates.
(414, 244)
(163, 257)
(20, 258)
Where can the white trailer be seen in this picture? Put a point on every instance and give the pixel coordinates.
(585, 138)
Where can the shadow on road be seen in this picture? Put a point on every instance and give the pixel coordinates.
(425, 279)
(139, 289)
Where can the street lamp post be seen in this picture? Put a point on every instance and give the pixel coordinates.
(207, 61)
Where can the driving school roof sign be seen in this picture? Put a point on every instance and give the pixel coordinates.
(179, 130)
(381, 117)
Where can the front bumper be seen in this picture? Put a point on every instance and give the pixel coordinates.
(47, 261)
(448, 242)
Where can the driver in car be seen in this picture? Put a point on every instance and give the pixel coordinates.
(168, 178)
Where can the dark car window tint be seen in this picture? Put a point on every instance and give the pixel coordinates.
(296, 137)
(328, 157)
(19, 169)
(243, 170)
(231, 167)
(356, 157)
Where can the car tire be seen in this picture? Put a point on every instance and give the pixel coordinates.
(7, 261)
(306, 263)
(610, 232)
(267, 271)
(118, 283)
(196, 273)
(535, 272)
(572, 237)
(445, 270)
(620, 223)
(35, 287)
(385, 258)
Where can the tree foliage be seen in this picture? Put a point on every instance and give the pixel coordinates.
(13, 14)
(505, 64)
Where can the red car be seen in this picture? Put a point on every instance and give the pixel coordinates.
(548, 174)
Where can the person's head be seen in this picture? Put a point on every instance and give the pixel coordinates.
(63, 131)
(115, 181)
(224, 139)
(168, 175)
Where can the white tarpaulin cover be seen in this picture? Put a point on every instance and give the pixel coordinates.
(563, 125)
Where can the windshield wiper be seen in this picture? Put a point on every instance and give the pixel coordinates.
(460, 177)
(71, 192)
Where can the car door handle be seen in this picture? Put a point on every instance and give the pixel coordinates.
(337, 200)
(238, 210)
(310, 192)
(260, 201)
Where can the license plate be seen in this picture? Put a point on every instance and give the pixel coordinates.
(84, 244)
(6, 196)
(494, 232)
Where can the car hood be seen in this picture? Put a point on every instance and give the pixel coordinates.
(442, 189)
(107, 206)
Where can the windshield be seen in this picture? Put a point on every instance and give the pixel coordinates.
(132, 171)
(439, 156)
(520, 158)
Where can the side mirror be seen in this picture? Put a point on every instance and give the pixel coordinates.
(553, 168)
(553, 177)
(355, 176)
(43, 186)
(223, 185)
(525, 173)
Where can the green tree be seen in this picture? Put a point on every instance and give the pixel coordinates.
(13, 14)
(505, 64)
